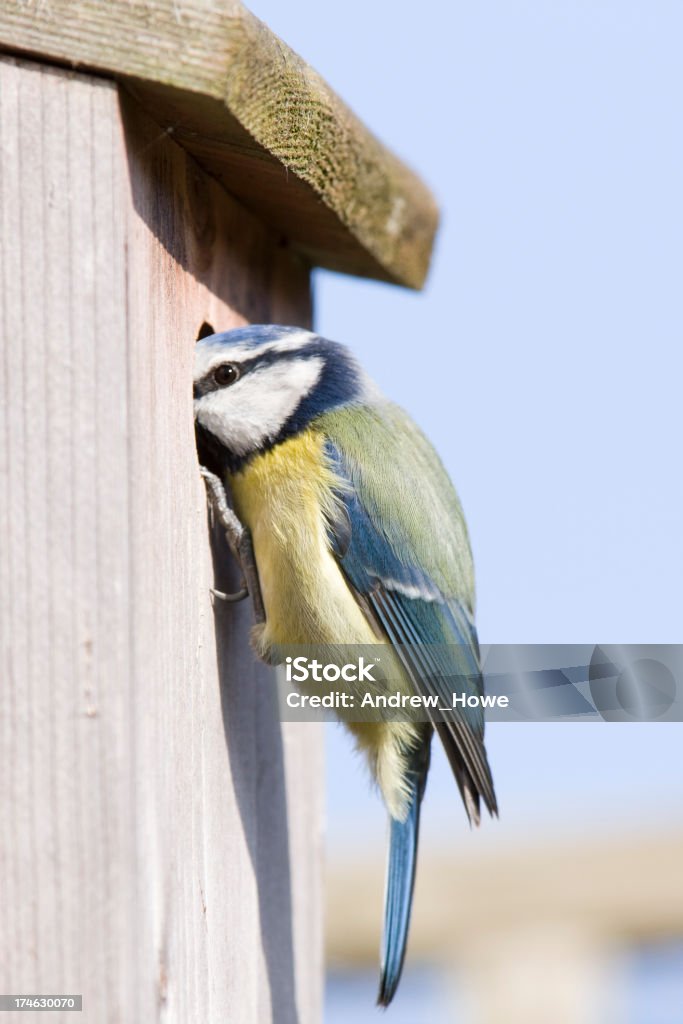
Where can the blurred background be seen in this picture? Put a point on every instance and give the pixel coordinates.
(544, 361)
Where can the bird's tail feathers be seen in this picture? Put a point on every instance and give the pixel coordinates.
(398, 896)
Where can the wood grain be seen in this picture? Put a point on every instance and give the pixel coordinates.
(257, 118)
(155, 813)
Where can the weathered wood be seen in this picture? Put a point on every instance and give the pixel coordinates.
(160, 849)
(257, 118)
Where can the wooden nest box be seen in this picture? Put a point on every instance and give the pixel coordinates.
(168, 167)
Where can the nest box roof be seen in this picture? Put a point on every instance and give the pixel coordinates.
(255, 116)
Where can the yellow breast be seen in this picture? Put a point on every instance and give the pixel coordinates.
(284, 497)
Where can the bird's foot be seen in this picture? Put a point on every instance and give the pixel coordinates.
(239, 542)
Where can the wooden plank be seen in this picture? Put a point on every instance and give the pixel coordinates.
(617, 888)
(156, 804)
(529, 930)
(257, 118)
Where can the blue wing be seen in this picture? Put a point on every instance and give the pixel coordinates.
(432, 632)
(400, 540)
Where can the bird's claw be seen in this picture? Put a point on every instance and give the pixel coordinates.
(239, 541)
(231, 598)
(218, 499)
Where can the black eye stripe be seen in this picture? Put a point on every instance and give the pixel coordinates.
(208, 382)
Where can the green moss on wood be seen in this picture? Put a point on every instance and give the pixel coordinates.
(256, 116)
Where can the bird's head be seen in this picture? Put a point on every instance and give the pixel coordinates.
(257, 385)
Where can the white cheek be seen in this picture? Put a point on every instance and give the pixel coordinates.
(256, 408)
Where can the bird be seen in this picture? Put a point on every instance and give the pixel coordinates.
(348, 531)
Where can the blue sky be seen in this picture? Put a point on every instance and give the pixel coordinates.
(544, 357)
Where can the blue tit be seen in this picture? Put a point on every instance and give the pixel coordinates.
(348, 529)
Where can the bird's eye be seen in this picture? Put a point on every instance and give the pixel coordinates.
(225, 374)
